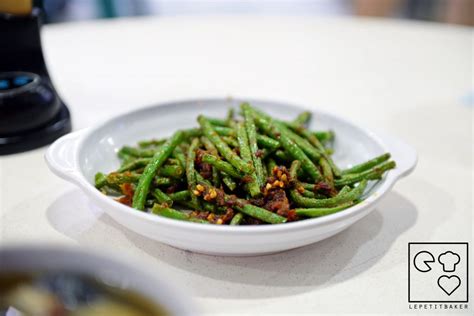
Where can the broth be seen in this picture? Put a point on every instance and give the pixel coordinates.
(70, 294)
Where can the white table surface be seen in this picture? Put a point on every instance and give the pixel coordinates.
(409, 79)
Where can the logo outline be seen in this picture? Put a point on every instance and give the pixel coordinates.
(425, 262)
(449, 278)
(437, 243)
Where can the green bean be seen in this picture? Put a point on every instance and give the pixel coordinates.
(216, 121)
(220, 130)
(124, 157)
(138, 152)
(222, 147)
(221, 209)
(271, 164)
(302, 118)
(345, 189)
(313, 140)
(237, 219)
(330, 202)
(327, 171)
(266, 123)
(209, 146)
(162, 197)
(295, 169)
(310, 191)
(192, 133)
(221, 165)
(162, 181)
(262, 214)
(307, 186)
(134, 164)
(216, 178)
(231, 141)
(316, 212)
(251, 131)
(267, 142)
(225, 131)
(283, 155)
(172, 171)
(158, 159)
(116, 178)
(371, 174)
(304, 144)
(295, 166)
(313, 195)
(230, 116)
(228, 181)
(174, 161)
(297, 153)
(200, 178)
(180, 196)
(180, 156)
(100, 180)
(301, 142)
(367, 165)
(175, 214)
(262, 140)
(151, 142)
(245, 152)
(187, 204)
(208, 207)
(108, 190)
(324, 136)
(191, 172)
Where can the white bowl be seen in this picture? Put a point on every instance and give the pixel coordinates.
(108, 269)
(76, 157)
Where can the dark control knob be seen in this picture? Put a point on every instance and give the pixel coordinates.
(26, 102)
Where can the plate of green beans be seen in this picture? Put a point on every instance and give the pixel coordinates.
(232, 177)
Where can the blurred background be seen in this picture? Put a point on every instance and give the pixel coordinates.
(442, 11)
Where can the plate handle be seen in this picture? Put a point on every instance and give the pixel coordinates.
(61, 157)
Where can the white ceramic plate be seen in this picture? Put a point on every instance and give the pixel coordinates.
(76, 157)
(108, 269)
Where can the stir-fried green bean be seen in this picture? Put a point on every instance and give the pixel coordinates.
(221, 165)
(222, 147)
(367, 165)
(352, 195)
(262, 214)
(236, 219)
(190, 170)
(175, 214)
(317, 212)
(245, 152)
(247, 170)
(158, 159)
(371, 174)
(162, 197)
(303, 118)
(251, 131)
